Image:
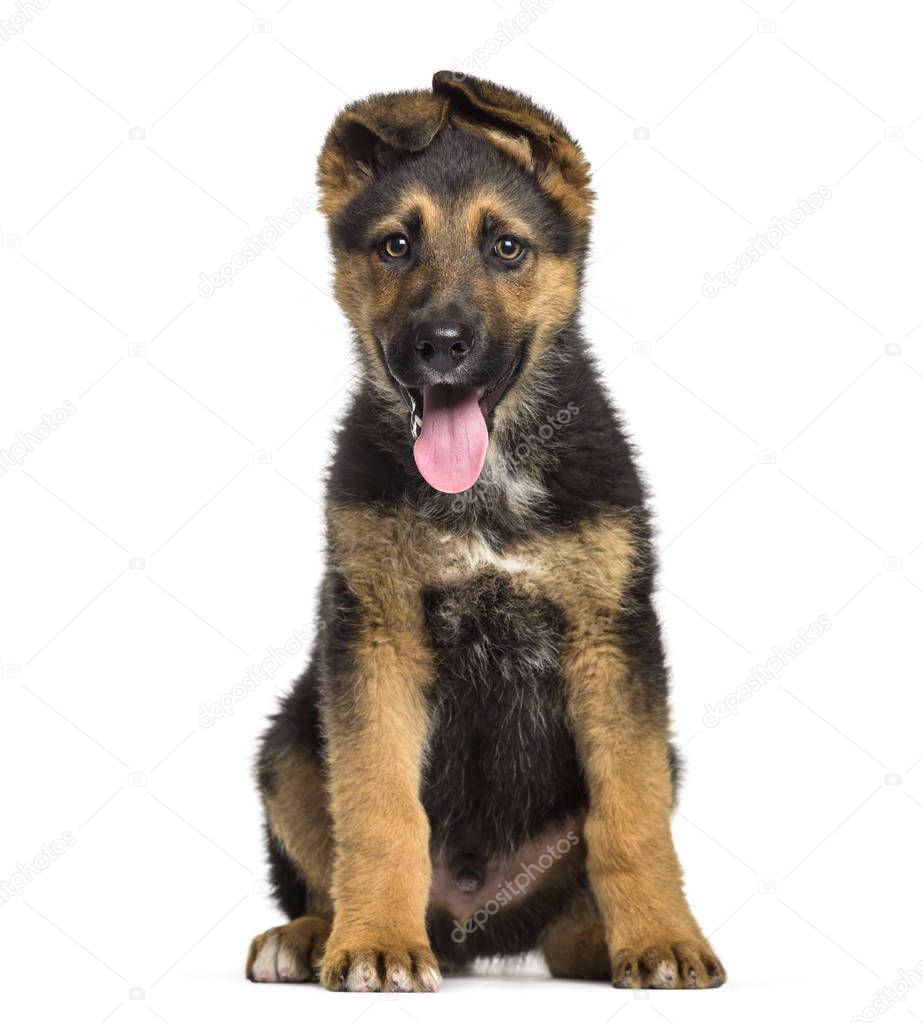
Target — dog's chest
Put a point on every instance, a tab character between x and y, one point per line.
501	762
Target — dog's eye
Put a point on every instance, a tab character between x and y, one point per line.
396	246
508	248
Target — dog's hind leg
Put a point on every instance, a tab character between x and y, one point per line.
300	845
574	943
290	953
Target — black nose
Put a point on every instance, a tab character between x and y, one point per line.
443	346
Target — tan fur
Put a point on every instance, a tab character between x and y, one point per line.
489	202
292	952
516	146
650	935
359	834
381	874
632	865
574	945
544	306
538	300
397	552
561	168
297	813
414	201
633	868
372	133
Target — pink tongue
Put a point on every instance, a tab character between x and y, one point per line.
452	445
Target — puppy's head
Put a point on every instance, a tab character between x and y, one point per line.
459	221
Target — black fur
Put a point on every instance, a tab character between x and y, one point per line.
453	164
501	764
592	466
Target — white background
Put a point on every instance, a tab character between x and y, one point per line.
778	422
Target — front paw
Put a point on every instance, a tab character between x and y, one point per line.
667	964
370	963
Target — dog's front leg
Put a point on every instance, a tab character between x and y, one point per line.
621	732
376	671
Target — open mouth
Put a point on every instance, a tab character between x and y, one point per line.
449	425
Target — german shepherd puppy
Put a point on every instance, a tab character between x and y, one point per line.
476	761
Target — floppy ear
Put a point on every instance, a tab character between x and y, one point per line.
370	135
525	131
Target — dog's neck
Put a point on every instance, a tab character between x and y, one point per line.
555	453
